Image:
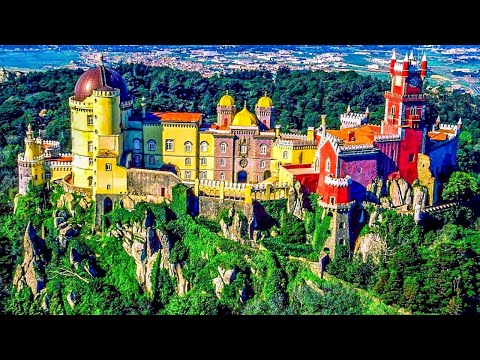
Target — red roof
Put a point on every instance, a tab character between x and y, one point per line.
179	116
362	135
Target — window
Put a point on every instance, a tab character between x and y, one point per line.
222	162
203	146
360	170
137	159
136	144
188	146
109	187
162	192
151	145
90	181
262	164
151	160
327	165
263	149
188	175
243	148
169	145
222	176
48	175
90	146
90	119
392	110
392	154
203	174
413	110
258	178
203	161
285	154
188	161
411	158
36	177
316	164
108	167
90	161
223	147
341	225
332	200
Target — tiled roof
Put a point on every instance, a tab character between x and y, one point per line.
437	135
179	116
363	135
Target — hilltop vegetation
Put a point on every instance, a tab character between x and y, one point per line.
427	270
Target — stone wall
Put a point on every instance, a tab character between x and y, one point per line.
210	207
151	182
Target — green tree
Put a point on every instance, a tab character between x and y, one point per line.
460	187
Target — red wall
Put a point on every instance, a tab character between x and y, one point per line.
326	151
341	194
411	144
309	181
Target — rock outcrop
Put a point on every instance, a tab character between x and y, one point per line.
376	190
400	192
31	272
65	230
145	243
371	245
295	201
235	227
225	278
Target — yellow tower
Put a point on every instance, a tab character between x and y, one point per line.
31	163
99	112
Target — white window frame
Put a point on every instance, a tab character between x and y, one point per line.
223	147
152	145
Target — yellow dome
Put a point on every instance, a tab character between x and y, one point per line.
244	118
265	101
226	100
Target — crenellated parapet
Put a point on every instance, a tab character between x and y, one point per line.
386	137
338	182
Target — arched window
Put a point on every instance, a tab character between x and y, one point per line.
223	147
188	161
137	159
413	110
222	162
203	161
327	165
263	149
316	164
108	167
136	144
243	148
203	175
222	176
188	146
188	175
90	181
392	110
262	164
90	146
341	225
258	178
151	160
285	154
169	145
203	146
152	145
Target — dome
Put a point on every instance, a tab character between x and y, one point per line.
100	77
244	118
265	101
226	100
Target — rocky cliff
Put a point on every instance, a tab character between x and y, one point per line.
146	244
235	226
31	272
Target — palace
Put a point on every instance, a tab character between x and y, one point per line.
118	154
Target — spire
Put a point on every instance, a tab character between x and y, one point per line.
245	104
394	55
406	57
367	112
348	109
265	93
424	57
411	55
29	128
100	59
438	120
459	123
226	92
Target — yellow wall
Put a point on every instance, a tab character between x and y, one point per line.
181	133
81	134
425	176
117	177
285	176
38	171
295	156
59	172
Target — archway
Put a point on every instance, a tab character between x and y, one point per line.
107	205
242	177
267	174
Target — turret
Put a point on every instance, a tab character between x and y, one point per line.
423	71
348	109
411	57
367	112
405	65
393	60
277	130
310	133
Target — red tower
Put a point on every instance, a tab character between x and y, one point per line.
405	111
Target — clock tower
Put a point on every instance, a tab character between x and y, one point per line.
405	106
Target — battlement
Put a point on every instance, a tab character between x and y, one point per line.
60	163
79	104
293	136
338	182
106	93
297	143
21	158
386	137
356	148
448	126
352	116
336	207
407	98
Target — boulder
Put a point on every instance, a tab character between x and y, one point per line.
398	191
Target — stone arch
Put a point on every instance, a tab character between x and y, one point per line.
341	241
341	225
267	174
107	205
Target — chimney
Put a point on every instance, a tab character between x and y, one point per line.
324	125
144	105
277	130
310	133
423	71
351	135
